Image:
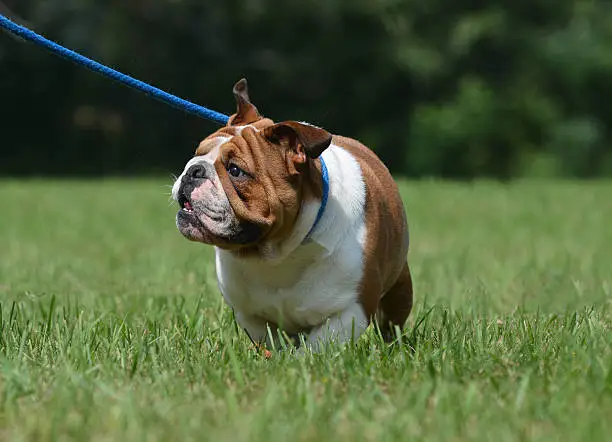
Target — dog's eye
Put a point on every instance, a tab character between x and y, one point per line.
235	171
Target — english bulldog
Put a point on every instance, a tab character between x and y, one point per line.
309	230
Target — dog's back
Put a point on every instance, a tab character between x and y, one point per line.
386	288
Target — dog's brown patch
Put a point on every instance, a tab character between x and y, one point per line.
386	287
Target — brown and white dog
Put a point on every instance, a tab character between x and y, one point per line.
309	229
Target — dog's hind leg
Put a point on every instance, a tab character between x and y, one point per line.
395	306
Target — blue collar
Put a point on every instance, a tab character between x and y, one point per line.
325	182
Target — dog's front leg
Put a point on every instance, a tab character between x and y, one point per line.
259	332
341	328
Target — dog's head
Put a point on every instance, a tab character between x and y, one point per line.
248	180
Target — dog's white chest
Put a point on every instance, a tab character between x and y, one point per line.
299	294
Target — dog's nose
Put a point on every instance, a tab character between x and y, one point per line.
198	171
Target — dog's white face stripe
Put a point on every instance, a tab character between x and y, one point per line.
211	156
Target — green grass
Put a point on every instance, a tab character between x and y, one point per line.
112	327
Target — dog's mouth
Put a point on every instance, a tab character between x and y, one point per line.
189	223
202	210
209	225
185	204
195	220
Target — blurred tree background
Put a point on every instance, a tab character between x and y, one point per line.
455	89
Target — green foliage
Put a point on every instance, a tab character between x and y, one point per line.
500	88
112	327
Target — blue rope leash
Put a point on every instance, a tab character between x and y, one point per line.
92	65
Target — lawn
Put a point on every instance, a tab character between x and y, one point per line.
112	328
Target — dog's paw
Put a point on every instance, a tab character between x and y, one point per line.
261	350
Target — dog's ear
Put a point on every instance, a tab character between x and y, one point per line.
246	112
304	139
